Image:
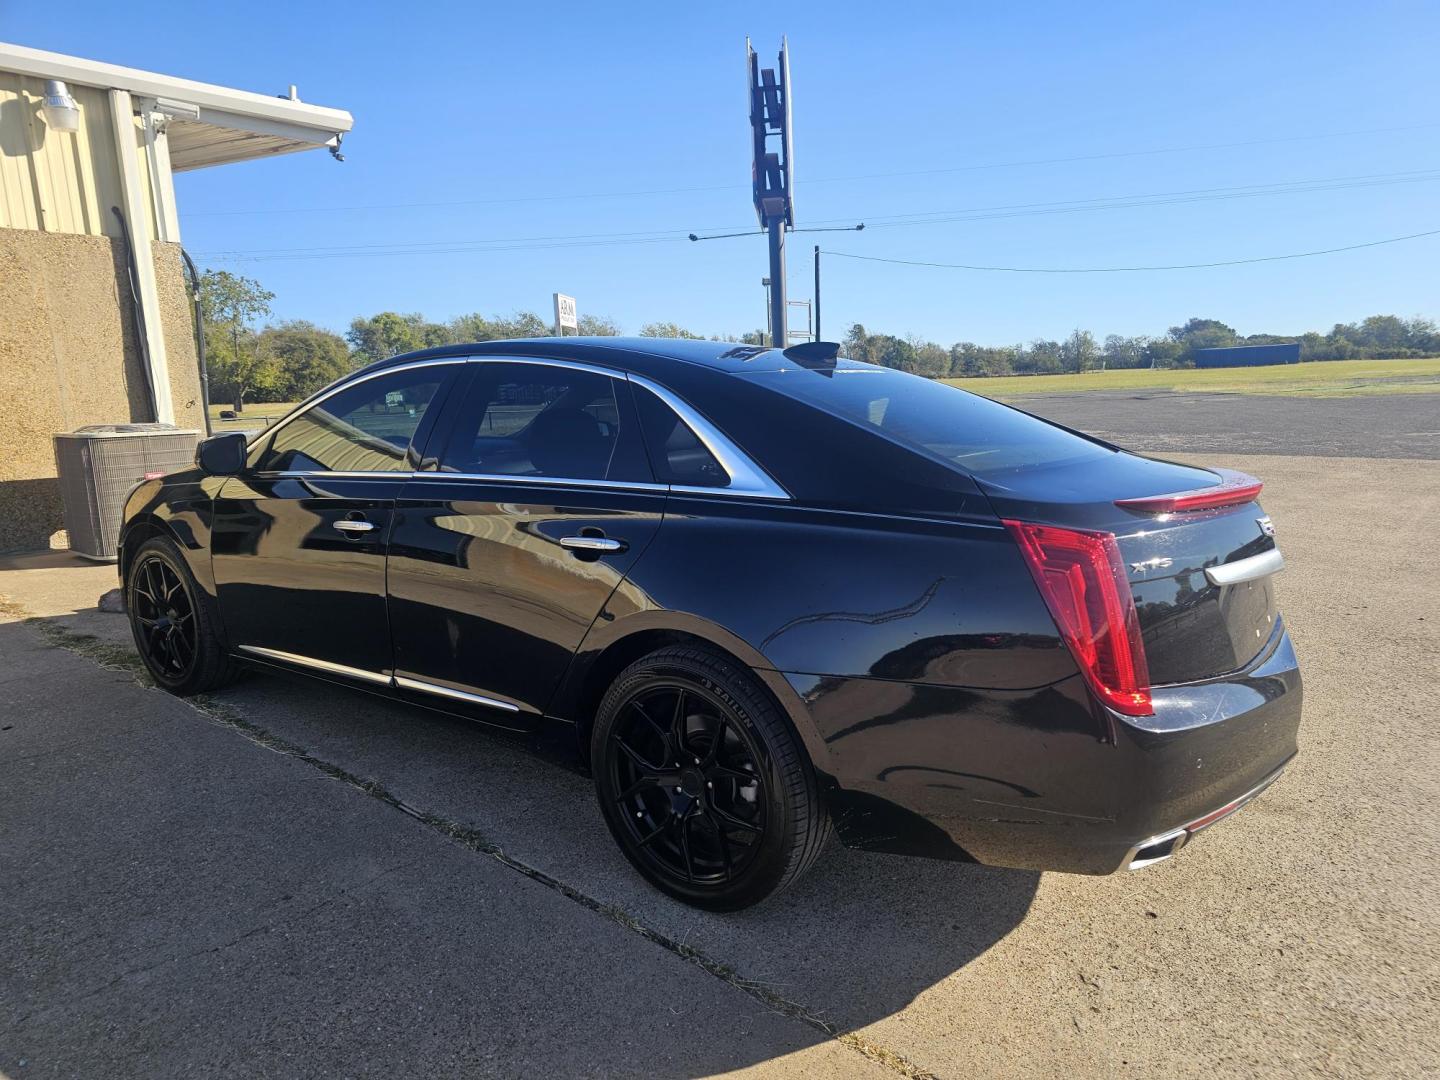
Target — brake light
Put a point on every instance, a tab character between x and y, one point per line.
1082	578
1234	489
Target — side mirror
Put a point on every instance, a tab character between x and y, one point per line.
222	455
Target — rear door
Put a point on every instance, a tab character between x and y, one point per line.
537	500
299	540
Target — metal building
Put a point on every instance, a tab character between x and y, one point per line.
1248	356
95	323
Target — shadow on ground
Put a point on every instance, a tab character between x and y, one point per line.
396	890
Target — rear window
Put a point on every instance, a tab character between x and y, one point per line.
980	436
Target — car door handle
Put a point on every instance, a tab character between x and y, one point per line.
591	543
352	525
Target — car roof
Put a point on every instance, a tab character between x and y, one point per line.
622	353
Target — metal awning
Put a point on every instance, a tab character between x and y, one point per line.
208	125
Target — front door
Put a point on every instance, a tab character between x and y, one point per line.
299	540
502	558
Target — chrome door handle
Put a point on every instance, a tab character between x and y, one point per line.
591	543
350	525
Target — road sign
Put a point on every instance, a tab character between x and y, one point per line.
565	314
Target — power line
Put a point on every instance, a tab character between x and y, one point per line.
1125	154
1160	198
580	196
933	217
1131	269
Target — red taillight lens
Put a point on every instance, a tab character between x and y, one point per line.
1234	489
1082	578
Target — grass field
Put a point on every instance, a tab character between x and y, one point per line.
1334	378
253	416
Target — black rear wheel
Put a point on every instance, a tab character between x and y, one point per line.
703	782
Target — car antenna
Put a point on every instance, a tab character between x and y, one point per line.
815	355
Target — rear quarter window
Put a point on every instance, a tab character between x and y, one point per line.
961	429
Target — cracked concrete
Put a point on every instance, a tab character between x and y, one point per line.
261	921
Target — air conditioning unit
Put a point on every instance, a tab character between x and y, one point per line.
100	464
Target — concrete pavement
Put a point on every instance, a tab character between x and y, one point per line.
1298	938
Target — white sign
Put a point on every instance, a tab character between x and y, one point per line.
565	313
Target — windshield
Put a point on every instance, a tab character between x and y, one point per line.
980	436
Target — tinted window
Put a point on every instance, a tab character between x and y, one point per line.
981	436
537	420
366	428
676	453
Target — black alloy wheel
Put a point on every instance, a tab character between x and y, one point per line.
163	613
174	621
703	782
689	783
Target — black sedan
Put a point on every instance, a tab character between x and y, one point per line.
760	595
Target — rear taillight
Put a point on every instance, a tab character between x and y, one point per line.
1234	489
1082	578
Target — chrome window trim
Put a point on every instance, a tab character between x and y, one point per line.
319	665
331	391
550	481
545	361
423	687
321	474
747	479
1251	569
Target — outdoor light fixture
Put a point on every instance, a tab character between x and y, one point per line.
178	110
61	112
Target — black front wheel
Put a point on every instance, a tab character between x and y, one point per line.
174	622
703	782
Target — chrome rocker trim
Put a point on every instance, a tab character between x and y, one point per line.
459	695
319	665
378	678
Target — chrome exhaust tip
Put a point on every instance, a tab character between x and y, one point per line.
1156	849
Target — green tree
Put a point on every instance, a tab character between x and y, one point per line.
1124	352
1202	334
1163	352
386	334
667	330
230	305
1080	353
598	326
1383	335
857	343
523	324
304	356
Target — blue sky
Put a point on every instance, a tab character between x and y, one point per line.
550	120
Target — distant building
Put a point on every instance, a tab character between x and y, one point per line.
95	319
1248	355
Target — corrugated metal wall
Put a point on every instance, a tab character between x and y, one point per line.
55	181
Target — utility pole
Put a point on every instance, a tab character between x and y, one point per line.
817	293
766	282
778	326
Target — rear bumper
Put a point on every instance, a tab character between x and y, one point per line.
1156	849
1044	779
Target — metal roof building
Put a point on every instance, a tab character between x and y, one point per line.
95	322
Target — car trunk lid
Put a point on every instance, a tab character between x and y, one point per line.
1201	574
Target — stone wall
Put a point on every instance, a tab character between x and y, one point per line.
69	357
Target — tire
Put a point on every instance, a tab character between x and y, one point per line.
703	782
174	622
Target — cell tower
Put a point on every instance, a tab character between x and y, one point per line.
772	169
